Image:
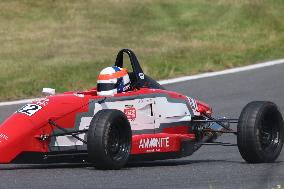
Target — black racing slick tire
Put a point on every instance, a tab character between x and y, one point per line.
109	140
260	132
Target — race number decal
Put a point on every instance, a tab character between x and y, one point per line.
30	109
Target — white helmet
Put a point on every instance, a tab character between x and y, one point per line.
112	80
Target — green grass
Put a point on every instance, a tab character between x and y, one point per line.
65	43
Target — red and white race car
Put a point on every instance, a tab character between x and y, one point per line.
146	123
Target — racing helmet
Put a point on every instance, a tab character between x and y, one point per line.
113	80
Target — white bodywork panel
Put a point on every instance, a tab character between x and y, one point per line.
169	112
143	114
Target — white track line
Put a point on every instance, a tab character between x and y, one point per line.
16	102
224	72
186	78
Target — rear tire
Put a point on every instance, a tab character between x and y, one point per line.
260	132
109	139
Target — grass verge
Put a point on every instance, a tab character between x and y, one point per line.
65	43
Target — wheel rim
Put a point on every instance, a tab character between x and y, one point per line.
118	143
269	133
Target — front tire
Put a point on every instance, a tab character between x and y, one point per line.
260	132
109	139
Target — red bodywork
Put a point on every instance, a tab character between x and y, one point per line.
21	132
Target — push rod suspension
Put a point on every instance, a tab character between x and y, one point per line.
220	123
214	131
70	133
65	131
219	120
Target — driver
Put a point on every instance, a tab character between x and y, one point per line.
113	80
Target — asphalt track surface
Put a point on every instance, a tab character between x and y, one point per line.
210	167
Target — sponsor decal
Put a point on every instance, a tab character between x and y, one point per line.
130	112
42	102
80	95
140	101
30	109
154	143
141	75
3	136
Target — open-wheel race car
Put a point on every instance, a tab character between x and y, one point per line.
146	122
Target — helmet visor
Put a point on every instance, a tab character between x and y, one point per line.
105	86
